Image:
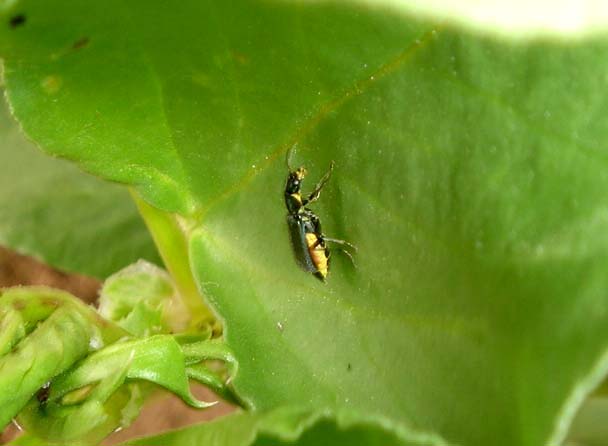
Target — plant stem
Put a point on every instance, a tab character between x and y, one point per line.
171	242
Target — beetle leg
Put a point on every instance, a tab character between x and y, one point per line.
314	195
319	241
345	251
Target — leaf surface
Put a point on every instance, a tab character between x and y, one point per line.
68	219
470	174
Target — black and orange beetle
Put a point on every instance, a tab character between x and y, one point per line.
307	239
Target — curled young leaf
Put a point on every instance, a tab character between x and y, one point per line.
142	299
69	375
47	331
103	392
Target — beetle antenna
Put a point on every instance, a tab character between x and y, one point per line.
289	155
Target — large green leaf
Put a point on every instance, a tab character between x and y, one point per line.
470	174
68	219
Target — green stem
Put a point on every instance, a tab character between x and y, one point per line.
172	245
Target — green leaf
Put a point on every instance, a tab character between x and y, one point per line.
60	330
142	300
158	359
70	220
288	426
99	394
470	174
69	376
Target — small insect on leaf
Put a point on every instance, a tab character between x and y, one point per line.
308	242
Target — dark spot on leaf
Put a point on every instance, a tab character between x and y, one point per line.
19	305
80	43
349	367
17	20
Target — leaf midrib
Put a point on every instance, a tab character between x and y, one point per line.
357	89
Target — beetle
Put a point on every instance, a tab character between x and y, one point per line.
307	239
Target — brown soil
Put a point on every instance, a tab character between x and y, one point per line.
164	412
